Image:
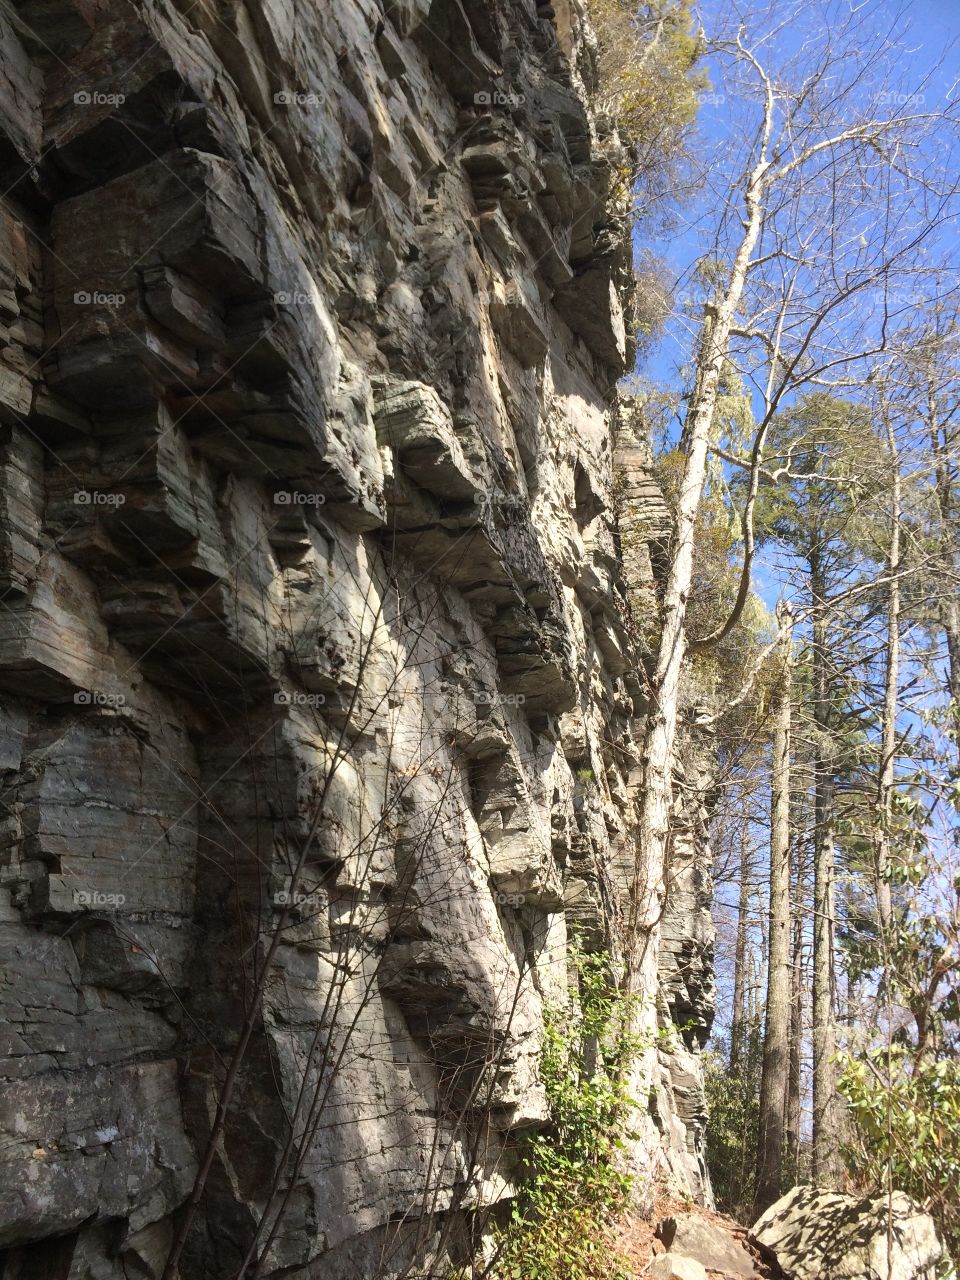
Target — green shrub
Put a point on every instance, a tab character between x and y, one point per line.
907	1117
733	1105
575	1182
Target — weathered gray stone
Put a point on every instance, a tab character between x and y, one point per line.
21	508
816	1233
697	1237
676	1266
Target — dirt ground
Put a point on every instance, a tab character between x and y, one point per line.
636	1239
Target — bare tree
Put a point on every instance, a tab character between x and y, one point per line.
826	1158
776	1040
930	372
739	1024
787	273
888	716
833	199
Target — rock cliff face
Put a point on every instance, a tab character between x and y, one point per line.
320	698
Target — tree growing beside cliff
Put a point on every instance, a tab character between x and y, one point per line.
776	1039
927	377
899	1077
823	516
648	87
858	536
829	207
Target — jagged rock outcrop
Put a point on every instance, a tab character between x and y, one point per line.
320	699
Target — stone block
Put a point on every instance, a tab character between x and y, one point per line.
814	1233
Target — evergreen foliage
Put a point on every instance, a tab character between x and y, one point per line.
733	1099
575	1179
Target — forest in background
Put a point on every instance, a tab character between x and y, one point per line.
795	191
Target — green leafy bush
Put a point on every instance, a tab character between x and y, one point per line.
733	1103
907	1116
575	1182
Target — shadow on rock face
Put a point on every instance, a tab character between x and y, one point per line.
816	1233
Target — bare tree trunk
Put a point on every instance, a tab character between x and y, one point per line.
826	1161
776	1040
739	1020
944	470
793	1112
653	829
648	891
888	732
951	627
950	615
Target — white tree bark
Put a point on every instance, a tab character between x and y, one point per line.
776	1039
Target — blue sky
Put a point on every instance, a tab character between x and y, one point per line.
930	35
928	31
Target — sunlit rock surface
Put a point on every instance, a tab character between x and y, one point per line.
815	1233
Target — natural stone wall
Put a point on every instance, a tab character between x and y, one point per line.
320	696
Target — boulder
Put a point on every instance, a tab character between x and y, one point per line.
817	1233
695	1236
674	1266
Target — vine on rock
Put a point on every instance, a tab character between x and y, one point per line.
576	1181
